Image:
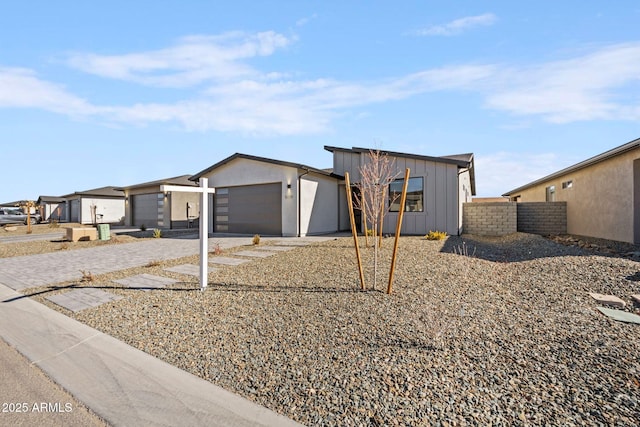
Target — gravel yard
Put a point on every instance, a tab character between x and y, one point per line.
509	336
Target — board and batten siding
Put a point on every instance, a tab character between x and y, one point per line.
442	209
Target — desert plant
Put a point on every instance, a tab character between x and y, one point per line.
154	263
54	223
217	250
143	227
436	235
464	250
256	239
157	233
87	276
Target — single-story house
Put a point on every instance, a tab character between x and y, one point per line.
146	205
602	194
52	208
273	197
100	205
438	186
256	195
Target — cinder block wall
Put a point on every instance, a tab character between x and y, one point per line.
542	217
490	219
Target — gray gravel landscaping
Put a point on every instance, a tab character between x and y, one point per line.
507	337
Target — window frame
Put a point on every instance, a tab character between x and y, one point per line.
400	182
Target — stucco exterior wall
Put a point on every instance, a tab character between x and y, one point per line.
318	205
112	210
600	201
250	172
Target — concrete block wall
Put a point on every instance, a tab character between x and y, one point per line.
542	217
490	219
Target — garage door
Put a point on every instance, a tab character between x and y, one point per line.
75	211
148	209
251	209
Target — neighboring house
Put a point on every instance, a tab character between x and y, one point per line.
146	205
438	186
602	194
255	195
100	205
272	197
52	208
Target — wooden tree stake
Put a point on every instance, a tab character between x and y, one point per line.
403	200
353	228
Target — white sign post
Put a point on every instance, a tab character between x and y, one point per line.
204	191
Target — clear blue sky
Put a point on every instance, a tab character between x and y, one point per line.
123	92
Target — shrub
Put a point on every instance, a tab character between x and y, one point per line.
87	276
154	263
143	227
157	233
436	235
256	239
217	250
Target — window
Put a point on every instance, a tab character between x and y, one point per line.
567	184
415	195
551	193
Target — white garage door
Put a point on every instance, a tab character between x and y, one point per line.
251	209
147	210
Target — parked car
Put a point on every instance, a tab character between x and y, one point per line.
17	216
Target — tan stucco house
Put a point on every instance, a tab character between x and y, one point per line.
98	205
147	205
602	194
271	197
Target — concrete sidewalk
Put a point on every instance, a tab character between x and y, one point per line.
119	383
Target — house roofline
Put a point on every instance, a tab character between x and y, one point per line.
97	192
235	156
176	180
464	161
581	165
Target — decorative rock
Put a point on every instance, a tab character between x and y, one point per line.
636	298
608	299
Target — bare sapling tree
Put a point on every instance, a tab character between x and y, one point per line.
376	174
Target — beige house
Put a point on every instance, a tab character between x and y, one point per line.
602	194
146	205
271	197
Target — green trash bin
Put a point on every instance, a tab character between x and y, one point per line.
104	233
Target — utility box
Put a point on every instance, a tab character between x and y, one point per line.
104	232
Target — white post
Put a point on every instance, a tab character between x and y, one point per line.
204	233
204	191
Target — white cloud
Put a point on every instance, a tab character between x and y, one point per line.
497	173
22	88
589	87
459	26
231	96
191	61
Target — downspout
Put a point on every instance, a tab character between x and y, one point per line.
299	193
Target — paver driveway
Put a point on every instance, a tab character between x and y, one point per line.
32	271
43	269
